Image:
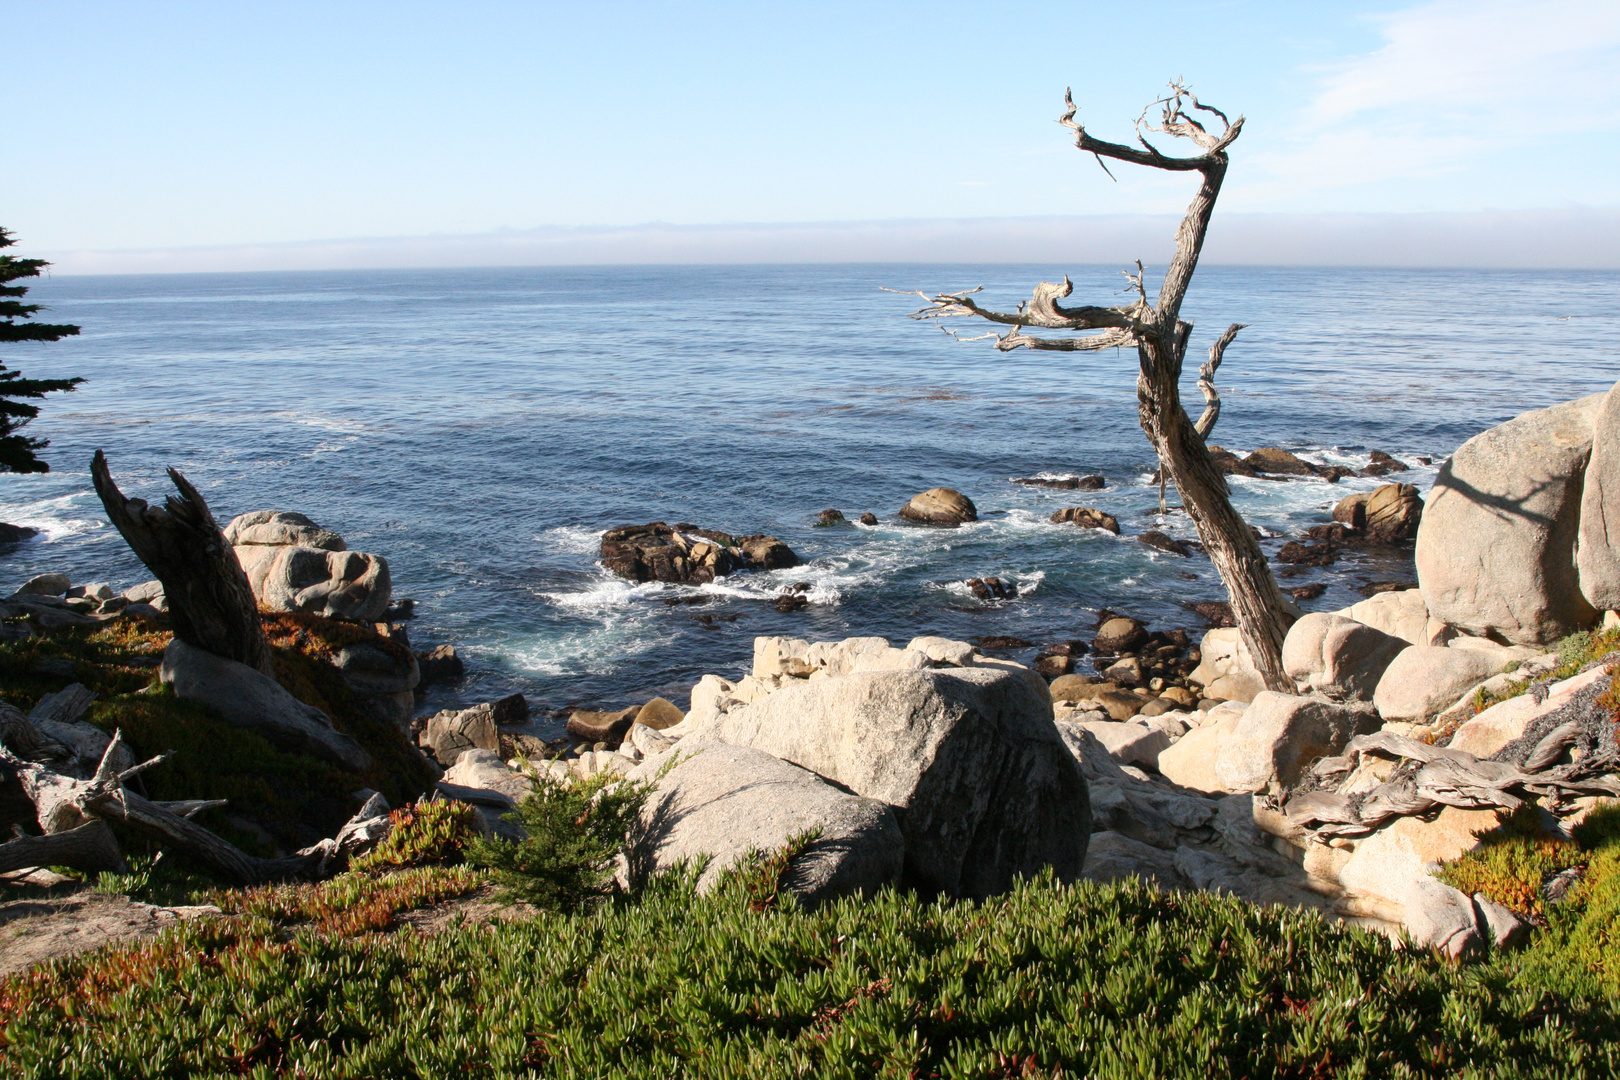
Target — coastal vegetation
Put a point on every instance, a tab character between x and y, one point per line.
19	453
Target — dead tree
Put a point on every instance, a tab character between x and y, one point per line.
1159	335
210	601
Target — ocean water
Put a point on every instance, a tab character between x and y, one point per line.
481	428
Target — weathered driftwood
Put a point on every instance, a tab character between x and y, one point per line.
91	847
210	602
1430	777
1159	335
82	809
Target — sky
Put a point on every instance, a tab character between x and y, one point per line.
140	130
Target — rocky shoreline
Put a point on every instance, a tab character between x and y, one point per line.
950	766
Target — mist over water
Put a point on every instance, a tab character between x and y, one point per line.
480	428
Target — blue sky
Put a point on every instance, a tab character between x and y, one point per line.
152	125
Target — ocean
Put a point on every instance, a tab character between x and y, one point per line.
481	428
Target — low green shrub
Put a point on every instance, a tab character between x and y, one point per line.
575	831
424	832
349	904
1574	652
1513	861
1104	981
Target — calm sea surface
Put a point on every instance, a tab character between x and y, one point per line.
481	428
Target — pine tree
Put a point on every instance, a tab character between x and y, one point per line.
18	453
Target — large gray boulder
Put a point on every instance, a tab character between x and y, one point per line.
969	758
247	698
1496	549
293	564
452	732
1597	551
1279	736
1425	679
720	802
337	584
1338	657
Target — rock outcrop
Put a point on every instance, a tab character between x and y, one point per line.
1086	518
982	785
686	554
293	564
940	506
1496	549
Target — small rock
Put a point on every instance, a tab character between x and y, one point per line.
1227	462
1155	539
1334	473
440	664
11	534
940	506
1078	688
1373	588
1003	641
831	517
1073	647
1335	531
991	588
1087	518
791	601
1127	672
659	713
1216	613
869	518
1320	554
1507	930
1270	459
1118	704
1067	483
1117	635
1351	510
1053	667
1308	592
1394	512
511	710
606	727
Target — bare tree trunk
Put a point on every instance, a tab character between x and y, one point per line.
1160	336
210	601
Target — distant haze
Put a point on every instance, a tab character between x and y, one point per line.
1527	239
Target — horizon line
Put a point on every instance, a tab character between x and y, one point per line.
1576	238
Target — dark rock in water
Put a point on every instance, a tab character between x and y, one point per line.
1373	588
1334	473
511	710
1118	635
1217	613
1425	461
1068	483
1271	459
831	517
1073	647
1155	539
869	518
1394	512
991	588
11	534
1321	554
1087	518
1091	483
1308	592
790	601
402	609
1334	531
940	506
689	555
440	664
606	727
1226	461
1052	667
1382	464
1003	641
696	598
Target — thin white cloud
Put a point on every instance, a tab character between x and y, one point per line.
1453	84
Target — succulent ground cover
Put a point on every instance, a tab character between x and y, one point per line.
1049	980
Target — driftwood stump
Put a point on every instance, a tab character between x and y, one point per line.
210	601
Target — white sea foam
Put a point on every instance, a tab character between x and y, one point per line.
58	517
572	539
